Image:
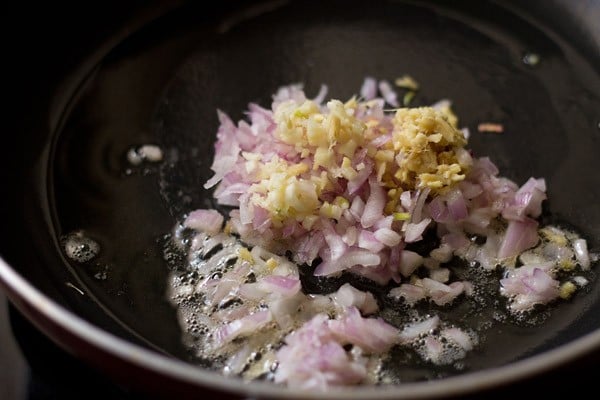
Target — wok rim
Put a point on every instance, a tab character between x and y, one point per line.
22	294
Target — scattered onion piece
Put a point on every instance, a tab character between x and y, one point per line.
490	127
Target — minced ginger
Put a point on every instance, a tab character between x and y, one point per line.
427	145
424	152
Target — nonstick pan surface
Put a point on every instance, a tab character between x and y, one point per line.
161	80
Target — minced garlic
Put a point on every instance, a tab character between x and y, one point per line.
271	264
245	255
566	290
305	127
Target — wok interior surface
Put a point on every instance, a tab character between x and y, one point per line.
164	84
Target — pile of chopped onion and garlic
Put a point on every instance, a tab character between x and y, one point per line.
349	188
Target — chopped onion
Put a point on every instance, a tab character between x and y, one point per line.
418	329
457	206
581	253
410	293
374	206
443	253
528	286
312	358
368	241
285	310
355	184
242	326
388	93
441	275
320	97
438	210
350	258
459	337
336	244
527	200
519	236
368	91
373	335
209	221
440	293
580	281
237	362
416	210
409	262
284	285
289	93
348	296
434	349
414	232
229	195
388	237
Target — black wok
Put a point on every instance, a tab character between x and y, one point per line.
87	89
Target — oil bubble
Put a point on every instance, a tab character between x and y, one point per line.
79	247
